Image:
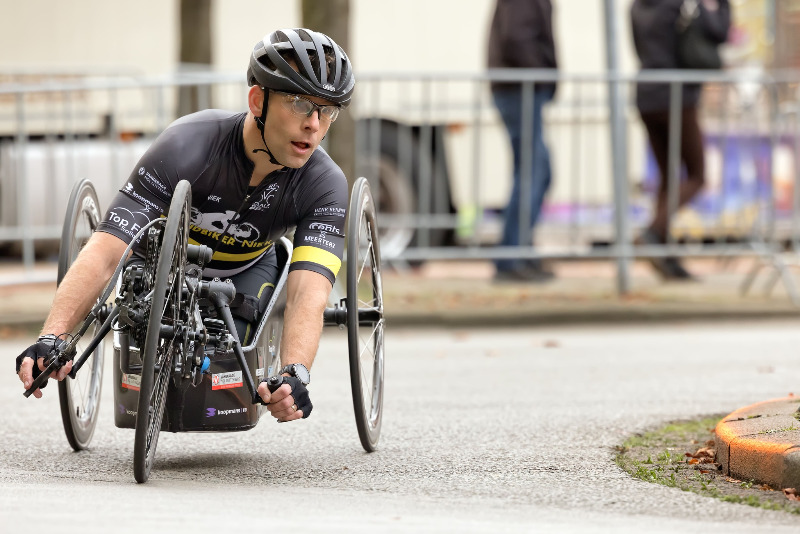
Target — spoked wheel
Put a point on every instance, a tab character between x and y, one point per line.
365	323
163	342
80	397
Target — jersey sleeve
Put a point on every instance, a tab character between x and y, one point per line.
319	236
147	193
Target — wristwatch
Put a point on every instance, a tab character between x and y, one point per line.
298	370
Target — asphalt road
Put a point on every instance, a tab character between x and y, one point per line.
484	431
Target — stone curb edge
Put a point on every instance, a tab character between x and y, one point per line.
761	442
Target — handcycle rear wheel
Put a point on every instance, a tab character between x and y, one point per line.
161	349
80	396
365	322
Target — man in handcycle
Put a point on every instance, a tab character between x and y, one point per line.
254	177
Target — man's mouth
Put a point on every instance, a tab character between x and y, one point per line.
301	145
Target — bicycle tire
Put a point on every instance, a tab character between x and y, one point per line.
365	322
159	356
79	397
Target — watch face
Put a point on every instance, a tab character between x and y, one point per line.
299	371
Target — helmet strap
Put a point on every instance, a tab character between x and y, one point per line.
260	124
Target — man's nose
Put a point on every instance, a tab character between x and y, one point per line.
312	121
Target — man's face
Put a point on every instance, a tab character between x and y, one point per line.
292	138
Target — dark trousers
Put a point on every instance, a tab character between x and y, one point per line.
509	103
692	158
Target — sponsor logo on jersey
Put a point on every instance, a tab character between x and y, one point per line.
129	222
147	203
215	198
213	224
229	380
319	240
152	180
267	195
337	212
322	227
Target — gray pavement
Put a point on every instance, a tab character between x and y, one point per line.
484	430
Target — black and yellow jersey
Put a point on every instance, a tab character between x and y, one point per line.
240	223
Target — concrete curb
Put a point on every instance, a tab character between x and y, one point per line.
761	442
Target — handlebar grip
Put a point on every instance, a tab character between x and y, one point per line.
41	379
274	383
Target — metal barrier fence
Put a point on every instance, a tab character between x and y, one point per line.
439	159
602	195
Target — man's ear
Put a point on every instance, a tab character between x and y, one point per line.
255	100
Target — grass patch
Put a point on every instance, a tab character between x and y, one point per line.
660	457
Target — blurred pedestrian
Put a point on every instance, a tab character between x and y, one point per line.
658	28
521	37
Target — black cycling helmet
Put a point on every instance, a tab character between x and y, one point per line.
323	69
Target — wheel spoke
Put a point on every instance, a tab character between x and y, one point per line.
367	257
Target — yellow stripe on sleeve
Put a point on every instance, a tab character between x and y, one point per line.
318	256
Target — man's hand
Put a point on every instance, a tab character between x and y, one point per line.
35	354
289	402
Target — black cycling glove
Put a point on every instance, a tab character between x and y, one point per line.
40	349
299	392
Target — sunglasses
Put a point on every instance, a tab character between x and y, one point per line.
303	106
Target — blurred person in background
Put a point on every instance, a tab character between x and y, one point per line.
521	37
656	25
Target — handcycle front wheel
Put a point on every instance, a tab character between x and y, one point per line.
160	346
80	396
365	322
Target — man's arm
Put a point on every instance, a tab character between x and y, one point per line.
307	296
77	293
83	283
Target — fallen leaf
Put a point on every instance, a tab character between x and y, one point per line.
704	471
766	487
706	453
791	494
694	461
732	480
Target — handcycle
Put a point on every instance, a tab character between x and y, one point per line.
176	352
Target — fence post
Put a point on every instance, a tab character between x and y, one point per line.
618	156
21	138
